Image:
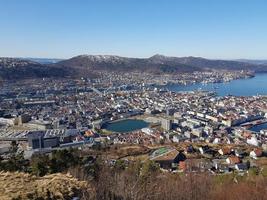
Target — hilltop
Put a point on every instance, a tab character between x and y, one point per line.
157	64
15	68
88	65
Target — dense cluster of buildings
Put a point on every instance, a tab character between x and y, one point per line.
58	113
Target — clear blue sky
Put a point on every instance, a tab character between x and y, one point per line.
64	28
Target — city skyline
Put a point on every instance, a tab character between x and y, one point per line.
210	29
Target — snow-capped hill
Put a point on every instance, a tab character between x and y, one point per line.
102	58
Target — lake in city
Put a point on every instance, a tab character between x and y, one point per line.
126	125
241	87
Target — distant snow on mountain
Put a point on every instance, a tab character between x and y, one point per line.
90	65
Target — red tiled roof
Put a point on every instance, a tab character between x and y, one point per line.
234	160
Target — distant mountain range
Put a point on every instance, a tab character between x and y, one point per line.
86	65
260	62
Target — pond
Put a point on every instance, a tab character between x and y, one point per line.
127	125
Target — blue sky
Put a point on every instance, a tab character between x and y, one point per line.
227	29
